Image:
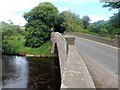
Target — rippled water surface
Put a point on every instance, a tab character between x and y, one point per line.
22	72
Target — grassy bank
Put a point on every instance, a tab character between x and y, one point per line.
43	50
18	45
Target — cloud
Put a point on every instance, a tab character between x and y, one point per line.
97	18
16	18
74	2
20	5
9	8
64	9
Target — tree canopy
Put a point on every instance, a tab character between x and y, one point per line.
8	31
114	20
40	20
108	28
86	20
112	5
71	21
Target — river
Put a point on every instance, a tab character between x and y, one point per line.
22	72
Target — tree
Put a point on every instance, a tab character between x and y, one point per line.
40	20
112	5
98	25
59	27
103	32
85	20
100	28
115	23
91	27
71	21
114	20
8	31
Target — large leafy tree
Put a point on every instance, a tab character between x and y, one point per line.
59	27
70	21
40	21
96	26
114	20
115	23
86	20
9	29
112	5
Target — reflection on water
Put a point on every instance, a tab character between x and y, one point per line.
21	72
15	72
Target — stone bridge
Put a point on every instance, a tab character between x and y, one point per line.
74	73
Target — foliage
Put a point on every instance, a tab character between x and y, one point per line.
8	31
98	25
108	28
112	5
114	20
40	21
42	50
71	21
101	28
8	47
115	23
44	18
15	45
85	21
37	36
59	27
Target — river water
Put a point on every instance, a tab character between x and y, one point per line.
22	72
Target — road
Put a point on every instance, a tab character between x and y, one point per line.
100	54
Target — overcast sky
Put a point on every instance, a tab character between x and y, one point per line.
14	9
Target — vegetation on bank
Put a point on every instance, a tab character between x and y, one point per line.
42	51
45	18
16	45
35	38
13	42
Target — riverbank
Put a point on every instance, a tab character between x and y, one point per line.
32	55
19	48
42	51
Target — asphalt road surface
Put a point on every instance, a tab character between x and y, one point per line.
105	55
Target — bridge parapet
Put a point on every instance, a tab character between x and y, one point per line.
61	43
115	42
74	73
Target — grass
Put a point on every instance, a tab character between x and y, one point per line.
18	42
43	50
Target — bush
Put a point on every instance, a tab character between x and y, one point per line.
8	48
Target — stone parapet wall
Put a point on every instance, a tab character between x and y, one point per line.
115	42
74	73
58	40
